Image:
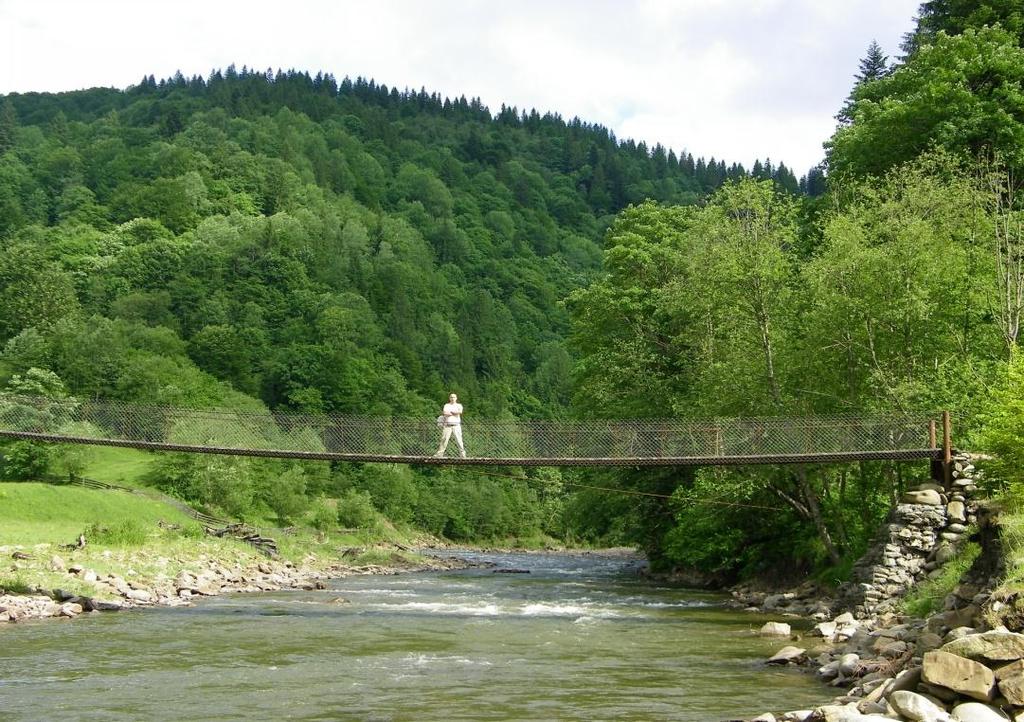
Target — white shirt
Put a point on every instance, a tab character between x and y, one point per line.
452	414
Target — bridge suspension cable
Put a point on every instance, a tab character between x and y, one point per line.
333	437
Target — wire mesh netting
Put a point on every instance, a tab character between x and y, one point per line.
263	433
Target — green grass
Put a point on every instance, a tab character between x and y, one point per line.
13	583
32	513
118	466
928	596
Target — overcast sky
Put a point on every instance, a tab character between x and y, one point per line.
733	79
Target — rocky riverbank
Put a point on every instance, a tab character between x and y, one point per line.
77	582
964	663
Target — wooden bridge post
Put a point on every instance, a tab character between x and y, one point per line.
947	451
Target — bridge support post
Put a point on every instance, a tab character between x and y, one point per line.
947	451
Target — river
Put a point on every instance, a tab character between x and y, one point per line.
580	637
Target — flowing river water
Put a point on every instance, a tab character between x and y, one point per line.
580	637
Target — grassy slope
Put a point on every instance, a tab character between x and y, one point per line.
32	513
118	466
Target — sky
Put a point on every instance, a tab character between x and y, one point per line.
736	80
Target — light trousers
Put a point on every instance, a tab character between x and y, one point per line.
446	435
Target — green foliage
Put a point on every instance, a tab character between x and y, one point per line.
121	533
14	584
24	460
928	596
1003	425
323	515
356	511
33	513
963	93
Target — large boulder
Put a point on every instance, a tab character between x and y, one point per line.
964	676
915	707
993	646
1011	682
976	712
928	497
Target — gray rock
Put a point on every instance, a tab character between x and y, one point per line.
956	512
927	497
57	564
994	646
824	629
1011	682
976	712
797	715
788	654
766	717
775	629
961	675
915	707
848	664
140	595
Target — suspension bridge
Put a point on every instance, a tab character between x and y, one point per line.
331	437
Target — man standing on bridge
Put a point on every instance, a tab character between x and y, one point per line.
451	422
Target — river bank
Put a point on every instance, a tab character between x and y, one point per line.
47	581
963	662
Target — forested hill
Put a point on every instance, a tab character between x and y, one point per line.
322	246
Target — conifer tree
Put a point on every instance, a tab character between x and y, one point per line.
873	66
8	124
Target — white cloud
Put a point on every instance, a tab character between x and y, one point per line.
736	79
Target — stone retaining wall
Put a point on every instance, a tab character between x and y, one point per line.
922	532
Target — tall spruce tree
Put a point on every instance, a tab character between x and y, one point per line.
8	124
873	66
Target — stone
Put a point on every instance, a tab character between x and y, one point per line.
846	713
956	512
89	576
57	564
961	675
893	650
928	640
70	610
797	715
780	629
917	708
927	497
787	654
944	553
848	664
829	671
824	629
845	618
1011	682
976	712
139	595
766	717
994	646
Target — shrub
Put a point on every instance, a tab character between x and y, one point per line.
356	511
324	516
14	584
124	533
25	460
928	597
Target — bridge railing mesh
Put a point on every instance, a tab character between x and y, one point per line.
98	421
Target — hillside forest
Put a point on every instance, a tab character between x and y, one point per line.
287	241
